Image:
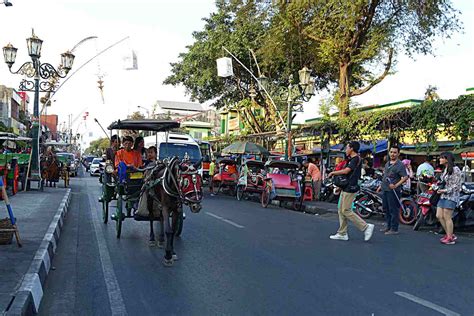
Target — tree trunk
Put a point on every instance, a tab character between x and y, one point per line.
344	88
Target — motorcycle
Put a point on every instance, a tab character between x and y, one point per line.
329	192
463	214
368	202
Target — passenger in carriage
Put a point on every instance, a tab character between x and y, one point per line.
131	158
139	145
151	155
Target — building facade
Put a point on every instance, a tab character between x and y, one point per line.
10	106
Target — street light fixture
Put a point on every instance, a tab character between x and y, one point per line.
147	110
37	70
294	95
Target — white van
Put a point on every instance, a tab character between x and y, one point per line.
177	145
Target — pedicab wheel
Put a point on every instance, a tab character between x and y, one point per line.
408	216
298	204
360	210
265	199
240	192
179	225
105	211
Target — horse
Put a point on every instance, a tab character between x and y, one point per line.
171	184
50	169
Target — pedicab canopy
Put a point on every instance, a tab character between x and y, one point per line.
145	125
282	164
242	148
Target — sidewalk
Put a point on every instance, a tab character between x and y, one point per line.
35	213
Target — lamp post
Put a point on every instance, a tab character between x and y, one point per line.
36	70
144	108
294	95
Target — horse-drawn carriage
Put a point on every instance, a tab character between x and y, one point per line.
161	188
283	182
226	177
55	166
13	165
251	180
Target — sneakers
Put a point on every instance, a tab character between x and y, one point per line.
368	232
448	241
454	237
391	232
338	236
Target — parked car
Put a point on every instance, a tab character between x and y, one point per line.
87	162
70	160
95	166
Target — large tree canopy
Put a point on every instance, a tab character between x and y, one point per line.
360	39
351	45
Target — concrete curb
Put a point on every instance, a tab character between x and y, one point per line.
27	298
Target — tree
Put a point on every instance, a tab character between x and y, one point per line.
239	26
97	147
355	40
137	115
431	93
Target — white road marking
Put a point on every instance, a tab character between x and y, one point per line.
117	305
225	220
428	304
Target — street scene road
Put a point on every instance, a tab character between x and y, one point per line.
238	258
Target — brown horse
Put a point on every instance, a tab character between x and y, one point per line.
50	169
172	184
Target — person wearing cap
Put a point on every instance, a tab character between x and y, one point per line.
132	158
352	170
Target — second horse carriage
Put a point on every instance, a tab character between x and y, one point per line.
162	188
283	182
251	180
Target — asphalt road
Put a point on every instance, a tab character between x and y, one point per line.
236	258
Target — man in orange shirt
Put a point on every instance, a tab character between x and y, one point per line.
315	174
132	158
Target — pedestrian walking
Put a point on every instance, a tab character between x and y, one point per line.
451	177
394	175
350	175
313	171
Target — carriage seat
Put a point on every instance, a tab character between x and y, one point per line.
282	181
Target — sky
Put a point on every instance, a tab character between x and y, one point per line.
158	30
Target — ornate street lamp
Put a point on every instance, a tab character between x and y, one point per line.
37	70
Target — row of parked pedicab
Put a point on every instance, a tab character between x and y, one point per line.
275	180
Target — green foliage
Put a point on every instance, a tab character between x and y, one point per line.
426	122
97	147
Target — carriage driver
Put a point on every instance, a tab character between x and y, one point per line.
132	158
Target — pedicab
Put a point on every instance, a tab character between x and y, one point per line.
172	178
283	182
108	182
251	180
227	176
13	166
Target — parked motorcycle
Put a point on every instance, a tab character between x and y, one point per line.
463	214
329	192
368	202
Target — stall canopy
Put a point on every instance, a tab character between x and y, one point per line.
379	147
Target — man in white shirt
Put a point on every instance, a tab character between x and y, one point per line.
424	170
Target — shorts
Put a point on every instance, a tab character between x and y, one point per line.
444	203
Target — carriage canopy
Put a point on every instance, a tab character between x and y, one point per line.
145	125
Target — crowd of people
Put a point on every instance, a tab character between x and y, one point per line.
131	152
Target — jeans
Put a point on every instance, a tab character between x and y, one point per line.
391	206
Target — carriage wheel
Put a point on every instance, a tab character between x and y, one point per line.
179	225
265	199
105	211
119	216
240	192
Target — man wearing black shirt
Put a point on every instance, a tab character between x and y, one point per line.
352	171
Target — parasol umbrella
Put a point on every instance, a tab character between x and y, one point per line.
242	148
